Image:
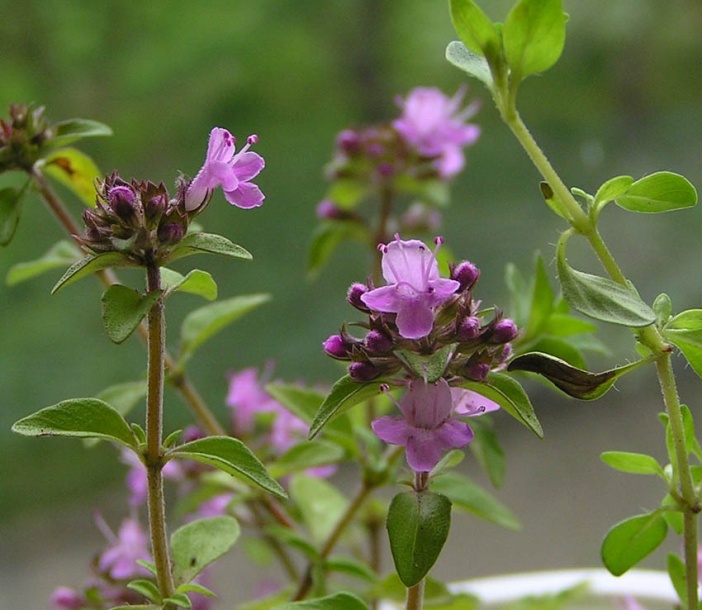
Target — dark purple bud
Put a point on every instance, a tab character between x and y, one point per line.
377	342
354	294
363	371
477	371
122	201
468	328
348	141
466	274
504	331
64	597
170	233
386	170
336	347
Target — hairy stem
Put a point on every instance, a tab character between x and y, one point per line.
415	596
153	457
107	277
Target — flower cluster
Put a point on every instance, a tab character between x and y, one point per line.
22	137
140	220
417	321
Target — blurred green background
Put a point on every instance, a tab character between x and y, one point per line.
625	98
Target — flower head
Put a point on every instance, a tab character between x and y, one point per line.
119	560
427	427
413	289
435	126
231	170
246	398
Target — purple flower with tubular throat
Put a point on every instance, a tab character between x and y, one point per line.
427	427
435	126
229	169
119	561
414	287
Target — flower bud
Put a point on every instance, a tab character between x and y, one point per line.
466	273
122	201
170	233
328	210
468	328
354	294
363	371
504	331
377	342
67	598
348	141
476	371
336	347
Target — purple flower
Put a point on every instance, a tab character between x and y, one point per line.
629	603
414	287
432	123
427	427
232	171
246	398
469	403
119	561
65	598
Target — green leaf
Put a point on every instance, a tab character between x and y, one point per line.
138	607
471	63
123	309
610	190
534	35
542	301
474	28
10	211
677	573
418	524
231	456
685	332
599	297
659	192
337	601
575	382
507	392
345	393
196	282
194	587
634	463
431	367
79	417
146	588
178	599
90	264
207	243
205	322
307	454
320	503
326	238
487	450
471	497
76	129
76	171
351	567
198	543
60	254
628	542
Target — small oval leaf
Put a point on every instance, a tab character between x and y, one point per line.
123	309
90	264
613	188
76	171
471	63
231	456
631	540
599	297
633	463
659	192
337	601
207	243
418	524
198	543
78	417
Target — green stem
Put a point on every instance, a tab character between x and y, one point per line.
648	336
107	277
153	458
688	497
415	596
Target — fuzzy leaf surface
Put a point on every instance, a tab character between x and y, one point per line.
89	265
231	456
78	417
601	298
685	332
75	129
207	243
196	282
474	28
198	543
471	63
633	463
123	309
418	524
